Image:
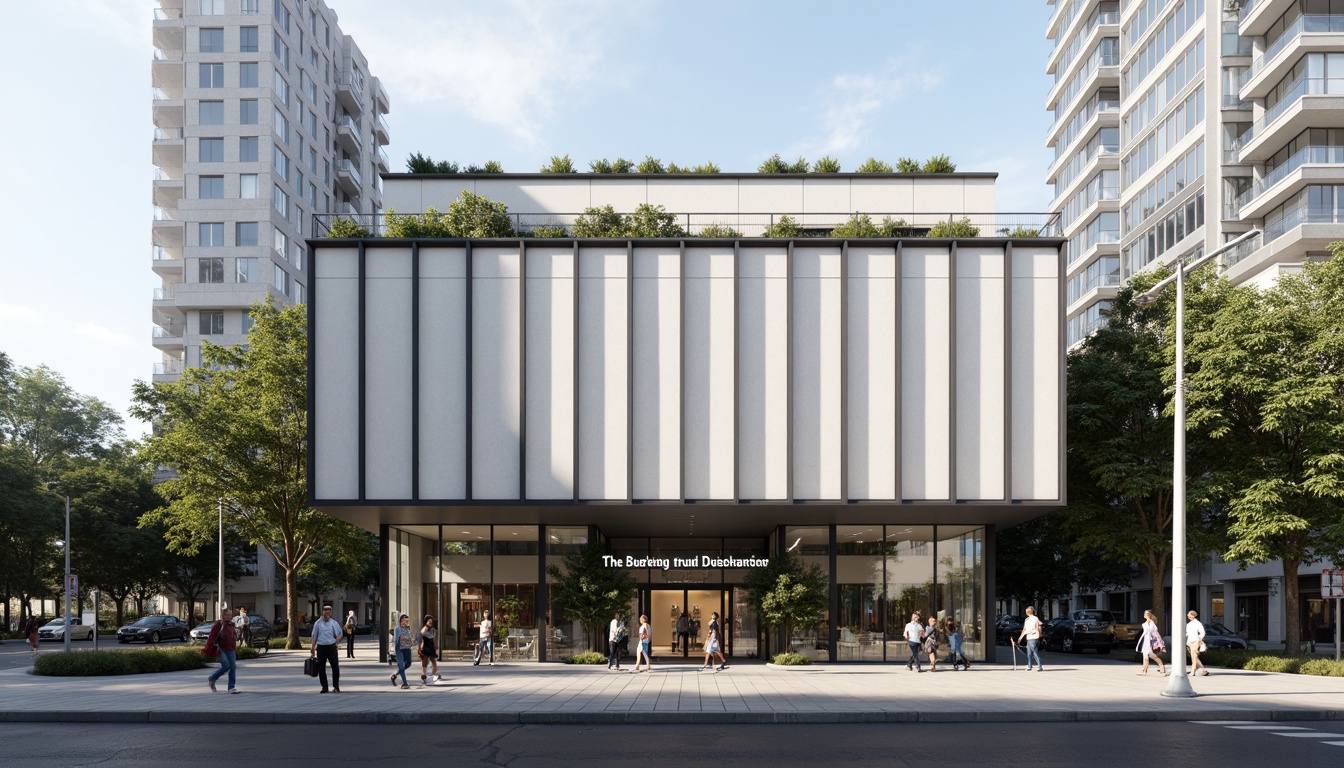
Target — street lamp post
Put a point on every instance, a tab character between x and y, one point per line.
219	603
68	596
1179	685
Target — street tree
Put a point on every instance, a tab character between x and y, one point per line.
236	429
584	588
1039	561
1266	385
787	593
51	422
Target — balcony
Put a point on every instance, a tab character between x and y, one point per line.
350	92
380	131
166	72
1316	33
167	196
380	157
167	337
167	262
170	367
348	133
1303	168
169	29
347	175
167	233
168	151
1257	16
1308	103
380	95
168	112
1099	69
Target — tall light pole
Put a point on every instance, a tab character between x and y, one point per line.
68	596
1179	685
219	602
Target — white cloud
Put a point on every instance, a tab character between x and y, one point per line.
511	64
849	102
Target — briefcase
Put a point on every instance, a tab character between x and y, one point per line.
310	666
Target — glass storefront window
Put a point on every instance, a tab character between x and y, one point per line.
563	639
515	591
908	551
813	543
464	570
960	578
858	574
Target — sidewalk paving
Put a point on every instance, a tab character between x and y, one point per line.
274	690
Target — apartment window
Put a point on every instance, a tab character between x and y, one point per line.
312	160
312	194
248	112
312	124
312	22
281	88
298	292
245	233
211	113
248	322
299	253
212	323
247	74
247	186
210	187
280	50
1234	44
281	162
247	149
282	16
210	270
281	280
281	125
212	75
248	40
280	201
281	243
210	234
250	7
211	150
245	270
212	7
212	40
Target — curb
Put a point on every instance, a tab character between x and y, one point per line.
660	718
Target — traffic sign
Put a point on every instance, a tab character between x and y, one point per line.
1332	584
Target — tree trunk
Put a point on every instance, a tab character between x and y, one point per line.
292	608
1157	573
1292	617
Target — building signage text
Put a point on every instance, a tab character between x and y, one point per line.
666	563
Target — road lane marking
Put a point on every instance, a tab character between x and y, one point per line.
1268	728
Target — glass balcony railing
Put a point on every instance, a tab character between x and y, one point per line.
167	14
1304	86
347	167
161	332
163	292
163	214
1246	10
1304	156
167	134
347	122
162	55
168	368
379	125
1314	23
163	254
382	159
355	84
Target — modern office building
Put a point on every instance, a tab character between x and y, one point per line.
877	405
1178	126
265	113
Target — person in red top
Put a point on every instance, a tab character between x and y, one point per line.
223	639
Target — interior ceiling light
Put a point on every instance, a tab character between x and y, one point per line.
795	544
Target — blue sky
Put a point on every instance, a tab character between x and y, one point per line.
684	81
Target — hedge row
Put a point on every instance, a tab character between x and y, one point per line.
588	657
128	662
1271	661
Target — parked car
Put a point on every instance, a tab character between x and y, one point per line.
1006	629
1126	633
153	629
262	632
1089	628
1218	636
55	630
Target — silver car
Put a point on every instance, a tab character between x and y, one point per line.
55	630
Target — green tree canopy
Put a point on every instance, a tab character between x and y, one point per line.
473	215
491	166
959	228
785	226
589	591
873	165
559	164
50	422
939	164
431	223
826	164
418	163
619	165
718	230
787	593
1266	383
652	221
908	165
343	227
599	222
774	164
651	164
236	428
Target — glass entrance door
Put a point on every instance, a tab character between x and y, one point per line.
680	620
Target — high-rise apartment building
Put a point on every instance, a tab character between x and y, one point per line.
264	114
1178	126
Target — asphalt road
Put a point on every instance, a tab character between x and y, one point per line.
676	746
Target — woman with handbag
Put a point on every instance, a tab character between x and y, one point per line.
403	640
429	652
714	644
931	643
1150	643
1194	639
223	640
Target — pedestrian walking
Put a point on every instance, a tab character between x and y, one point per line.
645	652
1194	639
914	636
615	631
931	643
243	623
1031	631
714	644
683	633
30	631
326	634
224	639
403	640
487	641
1150	643
429	652
954	653
349	630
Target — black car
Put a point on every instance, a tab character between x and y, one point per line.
259	632
1082	629
153	629
1006	629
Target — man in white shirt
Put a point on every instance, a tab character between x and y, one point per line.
487	643
1194	637
326	634
914	635
614	633
1031	630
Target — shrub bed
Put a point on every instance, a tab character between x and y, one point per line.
136	662
1322	667
1273	664
589	657
278	643
790	660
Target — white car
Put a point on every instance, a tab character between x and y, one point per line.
55	630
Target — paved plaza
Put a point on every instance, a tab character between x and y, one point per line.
274	690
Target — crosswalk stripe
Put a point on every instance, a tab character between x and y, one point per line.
1310	735
1268	728
1223	722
